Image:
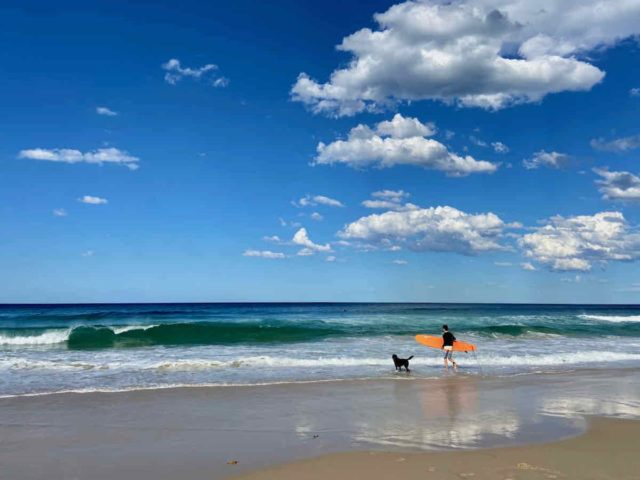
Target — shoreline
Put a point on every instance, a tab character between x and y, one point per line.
193	433
607	450
459	376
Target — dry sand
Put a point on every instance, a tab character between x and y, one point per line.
609	450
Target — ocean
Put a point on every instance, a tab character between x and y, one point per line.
113	347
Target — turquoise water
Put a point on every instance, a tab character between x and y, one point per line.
47	348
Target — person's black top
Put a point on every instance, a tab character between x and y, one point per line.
448	339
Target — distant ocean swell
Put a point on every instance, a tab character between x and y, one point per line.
232	333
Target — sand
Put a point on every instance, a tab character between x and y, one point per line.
194	433
609	450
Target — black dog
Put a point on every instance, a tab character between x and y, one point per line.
401	362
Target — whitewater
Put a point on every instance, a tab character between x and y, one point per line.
54	348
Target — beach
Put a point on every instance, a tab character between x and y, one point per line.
208	391
381	428
607	451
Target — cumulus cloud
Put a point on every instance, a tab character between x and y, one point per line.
528	266
392	195
389	200
302	239
316	216
618	145
576	243
474	53
330	258
382	204
60	212
499	147
68	155
387	147
443	229
547	159
106	111
634	92
175	73
272	238
91	200
263	254
312	201
623	186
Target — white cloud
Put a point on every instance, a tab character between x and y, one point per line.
330	258
67	155
382	204
499	147
175	73
634	92
263	254
475	53
312	201
476	141
575	279
528	266
93	200
283	223
622	186
272	238
390	200
316	216
378	147
443	229
106	111
221	82
88	253
404	127
575	243
302	238
393	195
503	264
395	248
547	159
617	145
400	262
60	212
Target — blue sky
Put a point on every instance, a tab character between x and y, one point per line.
127	176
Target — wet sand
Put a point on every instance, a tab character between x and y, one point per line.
192	433
609	450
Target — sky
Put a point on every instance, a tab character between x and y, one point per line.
465	151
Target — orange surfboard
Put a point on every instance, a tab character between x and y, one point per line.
436	342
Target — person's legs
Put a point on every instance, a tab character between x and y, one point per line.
447	358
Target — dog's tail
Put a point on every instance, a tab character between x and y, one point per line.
410	357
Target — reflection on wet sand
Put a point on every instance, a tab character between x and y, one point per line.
577	407
449	416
